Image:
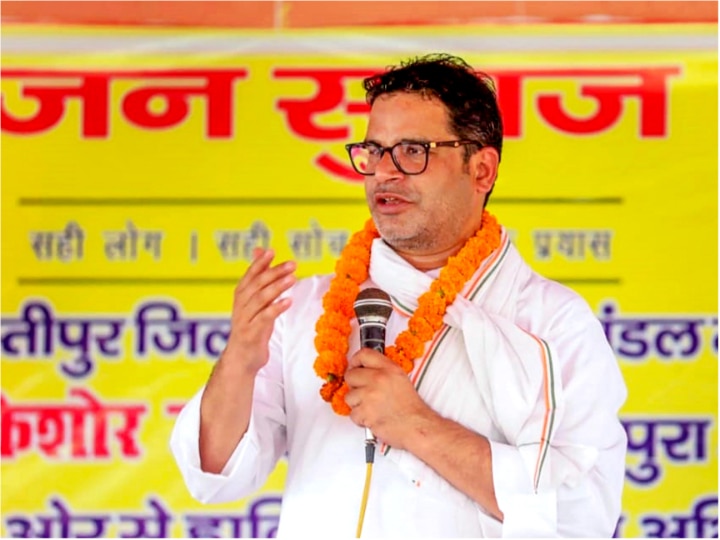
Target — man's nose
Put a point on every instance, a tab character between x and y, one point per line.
386	168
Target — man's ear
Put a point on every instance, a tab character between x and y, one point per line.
484	167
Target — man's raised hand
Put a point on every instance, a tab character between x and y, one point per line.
256	306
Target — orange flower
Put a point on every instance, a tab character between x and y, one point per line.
328	389
399	356
431	307
370	227
410	344
421	328
444	290
330	363
338	400
347	290
334	320
407	364
453	276
329	338
351	269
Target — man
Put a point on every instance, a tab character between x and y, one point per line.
496	408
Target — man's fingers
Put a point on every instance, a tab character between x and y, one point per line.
276	279
362	377
266	302
264	319
368	358
259	329
275	273
353	398
260	265
261	261
254	300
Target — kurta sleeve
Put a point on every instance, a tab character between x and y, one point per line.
258	451
556	399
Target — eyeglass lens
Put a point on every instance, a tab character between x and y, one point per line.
410	158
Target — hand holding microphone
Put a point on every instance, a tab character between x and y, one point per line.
372	309
381	395
382	398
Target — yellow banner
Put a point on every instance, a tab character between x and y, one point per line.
141	168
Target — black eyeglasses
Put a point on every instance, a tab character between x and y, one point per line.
409	157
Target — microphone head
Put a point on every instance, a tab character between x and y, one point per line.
373	304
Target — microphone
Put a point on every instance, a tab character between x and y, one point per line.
372	309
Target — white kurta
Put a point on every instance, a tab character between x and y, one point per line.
521	360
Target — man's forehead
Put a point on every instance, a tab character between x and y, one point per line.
407	115
411	97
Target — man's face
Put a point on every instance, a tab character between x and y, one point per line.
428	213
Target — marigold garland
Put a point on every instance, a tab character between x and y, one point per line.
351	270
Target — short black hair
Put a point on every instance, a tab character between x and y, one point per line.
469	95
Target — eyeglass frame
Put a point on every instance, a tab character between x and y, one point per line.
426	145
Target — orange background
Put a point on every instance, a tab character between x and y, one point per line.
297	14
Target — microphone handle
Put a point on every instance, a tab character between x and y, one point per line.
372	336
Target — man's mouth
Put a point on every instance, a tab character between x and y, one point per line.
389	198
391	203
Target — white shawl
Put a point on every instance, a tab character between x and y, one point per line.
505	381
